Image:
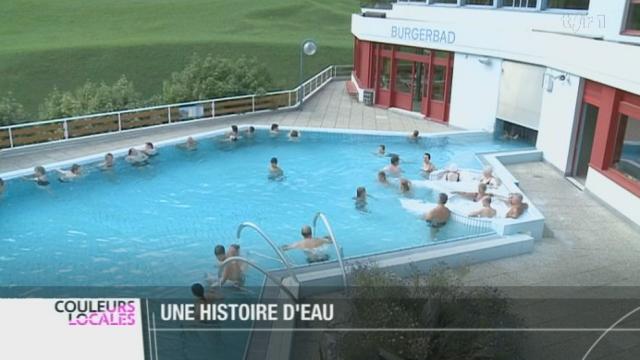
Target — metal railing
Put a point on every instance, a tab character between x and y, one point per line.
473	223
275	247
33	133
325	221
227	261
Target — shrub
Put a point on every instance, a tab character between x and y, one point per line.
11	111
90	98
211	77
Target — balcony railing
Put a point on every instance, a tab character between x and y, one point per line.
28	134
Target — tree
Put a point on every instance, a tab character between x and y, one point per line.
11	111
211	77
90	98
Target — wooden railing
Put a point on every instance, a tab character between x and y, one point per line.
28	134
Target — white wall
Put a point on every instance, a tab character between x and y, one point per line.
558	116
616	196
474	92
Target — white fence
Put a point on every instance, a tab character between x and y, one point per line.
120	121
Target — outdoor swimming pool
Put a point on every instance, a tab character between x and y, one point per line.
157	225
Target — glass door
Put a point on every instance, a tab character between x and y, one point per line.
584	142
418	85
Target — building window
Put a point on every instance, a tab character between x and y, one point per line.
403	76
568	4
479	2
530	4
385	72
626	155
437	88
633	18
453	2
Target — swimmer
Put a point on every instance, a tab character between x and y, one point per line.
1	186
361	198
415	136
203	298
190	145
382	178
71	174
136	157
516	206
439	215
149	149
452	173
220	253
39	176
488	178
233	271
108	162
233	135
250	132
486	211
275	172
405	187
394	166
294	135
310	245
381	150
275	129
475	196
427	166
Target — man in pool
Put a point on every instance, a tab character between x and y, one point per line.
415	136
1	186
381	150
274	130
149	149
361	198
394	166
405	187
275	172
39	176
486	211
439	215
475	196
250	132
204	297
382	178
108	162
310	245
136	158
233	135
294	135
516	206
233	272
190	145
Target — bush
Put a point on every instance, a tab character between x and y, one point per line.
11	111
212	77
437	300
90	98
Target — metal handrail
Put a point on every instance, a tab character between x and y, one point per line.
324	219
255	266
270	242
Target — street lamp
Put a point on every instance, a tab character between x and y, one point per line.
308	47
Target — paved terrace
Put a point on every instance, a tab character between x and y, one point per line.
585	242
331	107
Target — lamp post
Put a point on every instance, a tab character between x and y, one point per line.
308	47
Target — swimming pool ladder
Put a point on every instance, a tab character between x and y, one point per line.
227	261
275	248
325	221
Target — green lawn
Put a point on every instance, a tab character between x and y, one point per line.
63	43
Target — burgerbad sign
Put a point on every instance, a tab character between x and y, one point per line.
426	35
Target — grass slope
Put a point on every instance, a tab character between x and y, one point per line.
63	43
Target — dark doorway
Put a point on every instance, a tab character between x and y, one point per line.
584	142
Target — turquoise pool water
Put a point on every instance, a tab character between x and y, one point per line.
157	225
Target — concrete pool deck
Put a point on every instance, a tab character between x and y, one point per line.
585	243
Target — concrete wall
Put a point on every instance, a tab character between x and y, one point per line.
558	113
474	93
616	196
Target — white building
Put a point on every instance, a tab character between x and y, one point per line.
564	74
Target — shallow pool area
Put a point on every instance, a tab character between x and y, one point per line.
158	224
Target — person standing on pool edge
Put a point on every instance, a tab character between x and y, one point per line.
275	172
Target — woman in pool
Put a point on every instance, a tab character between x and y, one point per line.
67	175
394	166
382	178
275	172
234	134
415	136
108	162
405	187
488	179
136	158
250	132
427	165
311	246
39	176
190	145
361	198
381	150
274	130
149	149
